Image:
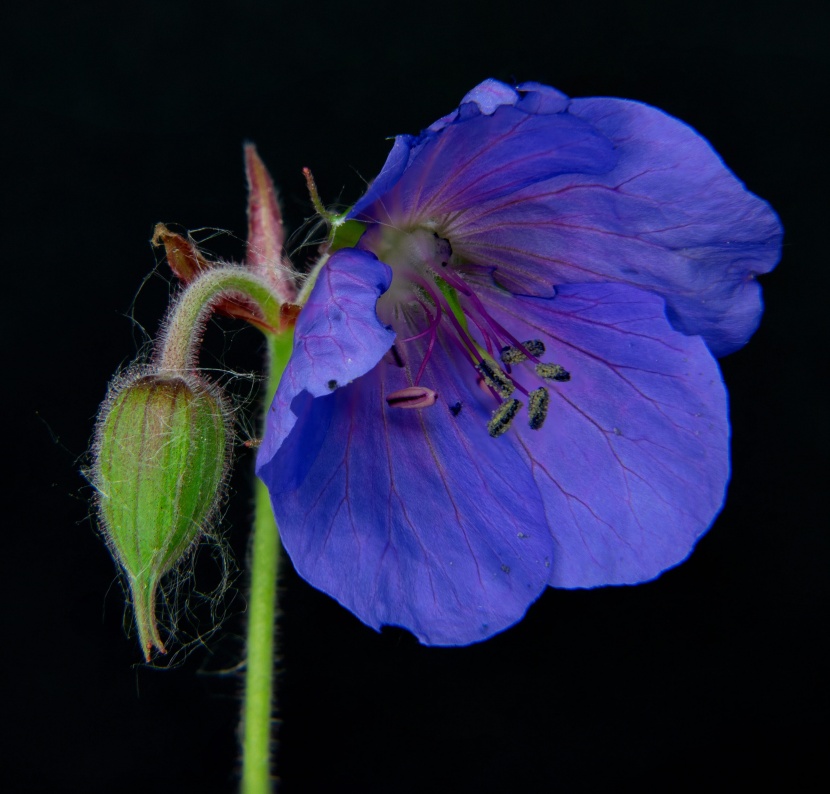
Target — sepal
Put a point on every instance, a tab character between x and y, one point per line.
161	456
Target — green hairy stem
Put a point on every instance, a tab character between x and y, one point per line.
185	324
262	612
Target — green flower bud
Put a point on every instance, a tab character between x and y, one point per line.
162	449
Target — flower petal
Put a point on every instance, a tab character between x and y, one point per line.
476	158
669	217
337	338
491	94
538	98
633	459
486	97
412	518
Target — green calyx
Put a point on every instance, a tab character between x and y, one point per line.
161	457
345	234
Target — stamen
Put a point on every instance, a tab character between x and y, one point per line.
512	355
538	407
433	326
433	330
502	417
485	335
412	397
488	390
515	355
480	310
433	322
553	372
499	384
454	312
495	378
456	283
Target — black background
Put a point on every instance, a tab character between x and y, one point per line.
123	114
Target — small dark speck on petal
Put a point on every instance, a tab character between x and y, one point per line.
505	568
332	384
455	409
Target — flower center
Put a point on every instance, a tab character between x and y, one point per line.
428	283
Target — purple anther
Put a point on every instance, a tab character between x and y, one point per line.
412	397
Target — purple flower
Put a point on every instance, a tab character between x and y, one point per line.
509	383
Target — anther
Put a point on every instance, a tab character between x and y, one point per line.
412	397
553	372
512	355
495	378
538	407
515	355
502	417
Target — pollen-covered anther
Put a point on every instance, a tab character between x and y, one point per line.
412	397
496	379
502	417
512	355
515	355
538	407
553	372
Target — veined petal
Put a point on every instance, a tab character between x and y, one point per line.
485	98
477	158
633	459
411	518
491	94
337	338
669	217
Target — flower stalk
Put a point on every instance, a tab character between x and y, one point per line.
186	323
263	610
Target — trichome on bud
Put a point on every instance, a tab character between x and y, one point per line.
161	456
